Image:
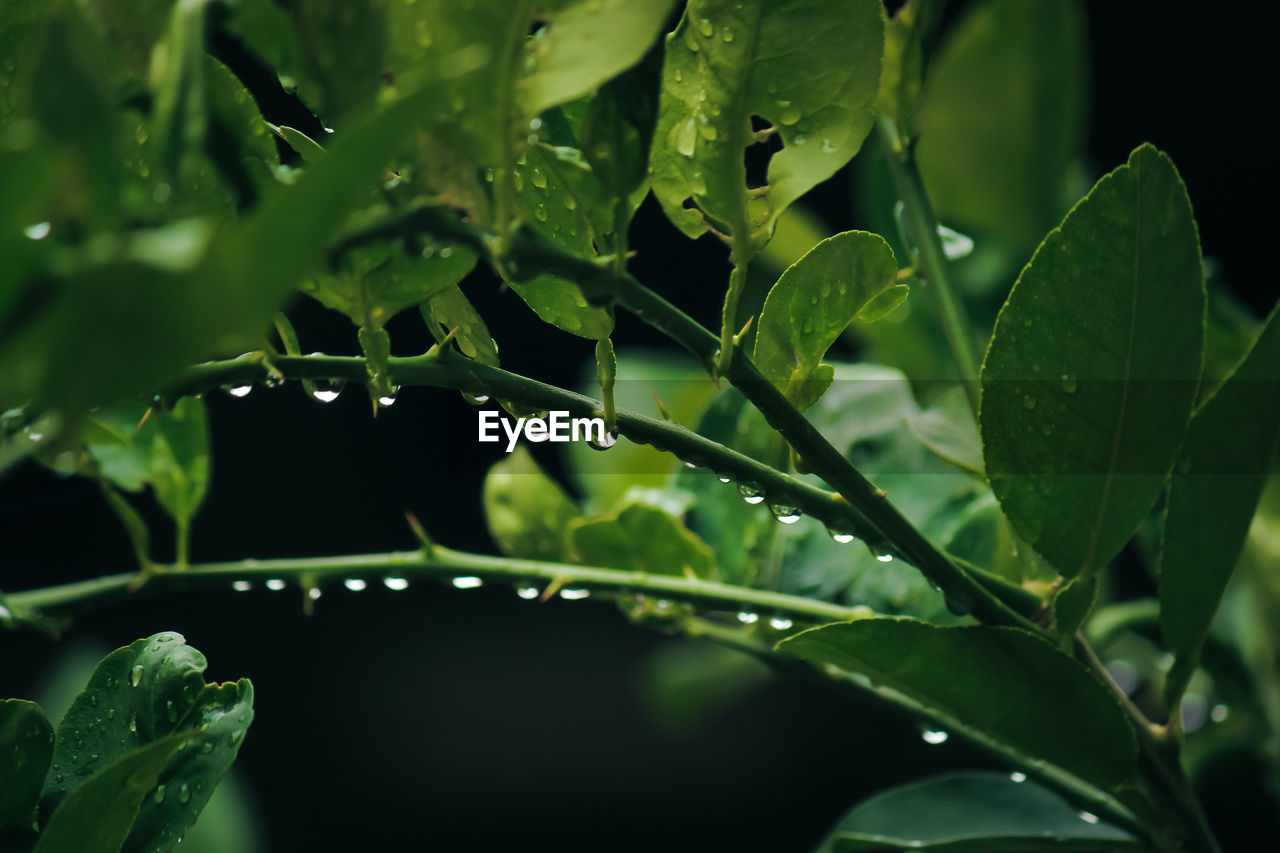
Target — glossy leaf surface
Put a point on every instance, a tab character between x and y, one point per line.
1215	489
813	302
26	747
640	538
1004	683
972	811
1092	370
730	60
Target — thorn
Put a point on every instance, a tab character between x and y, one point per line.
881	493
738	337
552	588
146	416
906	273
662	410
428	546
437	350
689	573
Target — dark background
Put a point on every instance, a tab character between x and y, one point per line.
474	721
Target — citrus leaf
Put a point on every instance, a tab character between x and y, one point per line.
450	309
641	538
1003	117
97	815
527	512
26	748
1005	684
1092	370
1215	491
972	811
587	43
729	60
812	303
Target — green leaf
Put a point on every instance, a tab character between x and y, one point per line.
1089	382
1003	117
640	537
812	303
343	47
947	428
1215	490
559	194
180	459
527	512
1005	685
729	60
221	715
586	44
97	815
450	309
26	748
180	112
904	59
972	811
307	148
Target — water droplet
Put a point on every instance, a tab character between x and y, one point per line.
133	723
135	675
706	27
840	536
467	582
539	180
1219	713
327	392
242	586
724	478
687	138
275	584
1017	777
885	558
387	400
575	594
784	513
780	623
609	440
356	584
727	35
184	794
206	747
236	735
38	231
827	147
170	711
748	618
159	795
801	139
1028	402
396	584
111	713
934	736
691	465
1069	383
540	213
528	593
570	203
790	114
535	124
239	390
750	493
1088	817
314	593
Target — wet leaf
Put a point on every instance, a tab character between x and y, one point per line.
812	303
640	537
450	309
1215	490
728	61
1089	382
972	811
26	747
1005	684
527	512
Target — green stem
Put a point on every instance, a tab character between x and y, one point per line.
182	548
442	564
836	512
932	260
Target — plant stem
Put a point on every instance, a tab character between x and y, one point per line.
932	260
439	563
836	512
